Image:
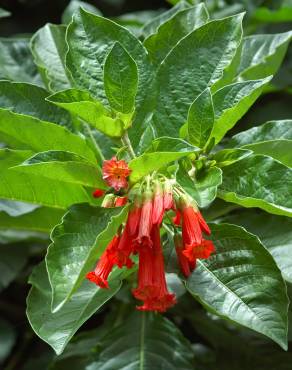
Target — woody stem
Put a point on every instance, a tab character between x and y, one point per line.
126	141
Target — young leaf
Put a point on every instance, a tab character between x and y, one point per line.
258	181
169	33
49	48
201	119
77	243
120	79
83	105
162	151
232	102
262	55
242	283
58	328
195	63
63	166
26	132
144	341
74	6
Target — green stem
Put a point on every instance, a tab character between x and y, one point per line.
127	142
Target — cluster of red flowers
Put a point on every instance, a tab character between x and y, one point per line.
150	200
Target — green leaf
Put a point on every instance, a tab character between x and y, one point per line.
272	130
7	339
15	209
204	187
16	62
226	157
4	13
78	241
152	26
258	181
26	132
283	14
169	33
24	98
162	151
42	219
120	79
275	232
262	55
12	260
201	119
144	341
83	105
232	102
63	166
242	283
58	328
195	63
49	48
74	6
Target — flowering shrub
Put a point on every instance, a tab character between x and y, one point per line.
123	142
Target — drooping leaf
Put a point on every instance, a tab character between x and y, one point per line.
58	328
120	79
77	243
74	6
200	119
26	132
195	63
162	151
275	232
63	166
83	105
226	157
262	55
258	181
242	283
144	341
169	33
232	102
49	48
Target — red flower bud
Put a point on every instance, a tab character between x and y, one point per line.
98	193
121	201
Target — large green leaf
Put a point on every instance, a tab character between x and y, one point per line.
144	341
25	132
162	151
169	33
49	49
195	63
262	55
14	208
74	6
16	62
232	102
58	328
77	243
30	100
201	119
226	157
120	79
204	187
83	105
242	283
258	181
63	166
275	232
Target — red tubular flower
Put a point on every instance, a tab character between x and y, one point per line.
191	230
158	204
98	193
133	220
185	265
202	251
115	173
121	201
145	225
167	196
105	264
177	218
125	249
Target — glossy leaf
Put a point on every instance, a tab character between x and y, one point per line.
258	181
201	119
242	283
120	79
83	105
15	209
232	102
77	243
162	151
226	157
49	49
25	132
58	328
195	63
144	341
262	55
169	33
74	6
